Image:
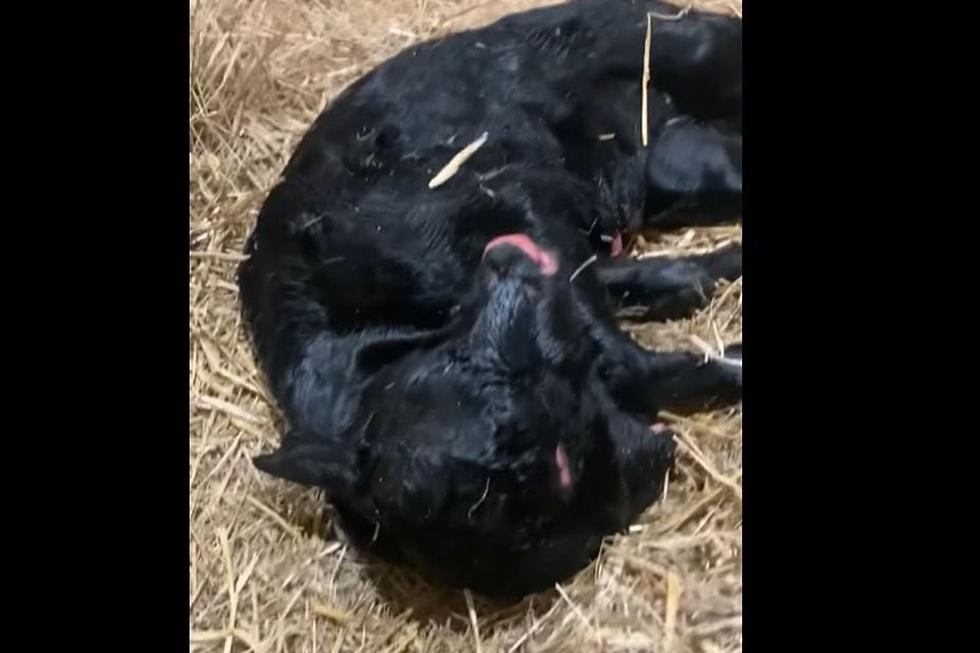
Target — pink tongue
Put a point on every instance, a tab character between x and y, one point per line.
658	427
564	469
616	247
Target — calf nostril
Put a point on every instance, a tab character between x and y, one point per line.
496	266
492	275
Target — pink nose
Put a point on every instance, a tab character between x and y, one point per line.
544	260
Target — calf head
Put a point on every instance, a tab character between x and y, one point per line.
495	446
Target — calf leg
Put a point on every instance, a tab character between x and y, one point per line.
687	383
643	382
669	288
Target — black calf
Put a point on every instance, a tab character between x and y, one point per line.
448	359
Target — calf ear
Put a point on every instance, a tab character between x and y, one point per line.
312	461
642	456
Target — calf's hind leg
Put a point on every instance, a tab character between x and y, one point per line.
661	288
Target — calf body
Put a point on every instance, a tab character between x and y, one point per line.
448	359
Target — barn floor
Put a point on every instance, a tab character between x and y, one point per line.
267	571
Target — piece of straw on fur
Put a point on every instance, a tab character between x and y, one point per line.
589	261
646	80
457	161
680	14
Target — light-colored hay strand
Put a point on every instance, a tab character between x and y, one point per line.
450	169
645	111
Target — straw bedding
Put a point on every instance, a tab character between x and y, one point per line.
268	572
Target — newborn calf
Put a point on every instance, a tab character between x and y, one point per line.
448	359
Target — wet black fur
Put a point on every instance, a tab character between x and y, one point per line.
427	391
